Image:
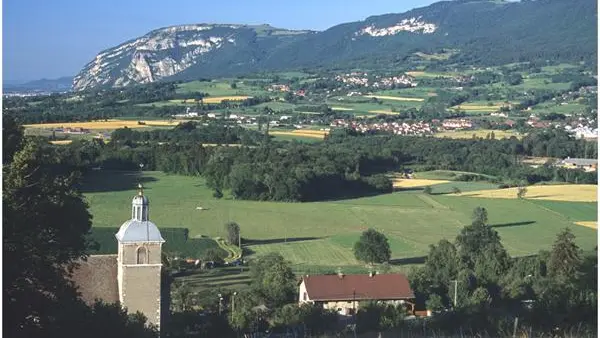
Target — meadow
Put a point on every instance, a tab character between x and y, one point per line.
319	236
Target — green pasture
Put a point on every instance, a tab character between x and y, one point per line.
542	83
569	108
298	138
177	241
319	235
220	88
417	92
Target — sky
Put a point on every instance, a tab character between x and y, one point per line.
50	39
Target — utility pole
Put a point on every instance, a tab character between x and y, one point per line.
233	303
220	303
455	291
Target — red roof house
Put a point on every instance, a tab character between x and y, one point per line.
343	292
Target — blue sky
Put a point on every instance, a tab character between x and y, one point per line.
50	39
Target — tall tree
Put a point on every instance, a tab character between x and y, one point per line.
233	233
12	137
565	257
480	216
273	278
372	247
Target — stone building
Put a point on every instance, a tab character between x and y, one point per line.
132	277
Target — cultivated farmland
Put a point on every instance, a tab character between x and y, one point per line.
317	134
570	192
319	236
106	125
395	98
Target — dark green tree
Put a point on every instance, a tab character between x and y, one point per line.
480	216
273	278
233	233
372	247
565	257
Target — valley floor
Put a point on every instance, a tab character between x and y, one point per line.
319	236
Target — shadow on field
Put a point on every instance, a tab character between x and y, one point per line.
108	180
409	260
278	240
502	225
399	189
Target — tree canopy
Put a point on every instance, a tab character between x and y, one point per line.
372	247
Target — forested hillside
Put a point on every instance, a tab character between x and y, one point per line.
469	32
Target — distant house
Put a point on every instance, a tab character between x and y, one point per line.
579	163
344	292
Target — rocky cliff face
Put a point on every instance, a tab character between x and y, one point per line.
167	52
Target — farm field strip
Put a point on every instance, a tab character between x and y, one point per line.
214	99
415	182
396	98
109	124
386	112
304	133
569	193
467	134
593	225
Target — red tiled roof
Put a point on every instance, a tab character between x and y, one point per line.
360	287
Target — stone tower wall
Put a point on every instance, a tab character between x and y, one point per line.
141	290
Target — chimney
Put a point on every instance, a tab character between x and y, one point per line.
371	274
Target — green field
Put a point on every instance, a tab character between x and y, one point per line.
318	236
177	241
220	88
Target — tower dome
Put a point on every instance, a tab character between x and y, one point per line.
139	228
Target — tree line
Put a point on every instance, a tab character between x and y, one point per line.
346	164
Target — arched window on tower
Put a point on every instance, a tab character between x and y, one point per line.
142	255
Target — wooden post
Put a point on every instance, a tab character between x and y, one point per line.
515	327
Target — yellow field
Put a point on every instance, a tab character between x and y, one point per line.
341	108
61	142
387	112
214	99
414	182
570	192
468	107
415	73
498	134
305	133
396	98
109	124
593	225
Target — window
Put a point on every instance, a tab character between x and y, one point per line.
305	297
142	255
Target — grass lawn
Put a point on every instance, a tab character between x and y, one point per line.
318	236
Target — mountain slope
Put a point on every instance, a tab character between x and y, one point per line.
44	85
483	32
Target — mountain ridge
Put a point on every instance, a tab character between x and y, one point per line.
483	32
